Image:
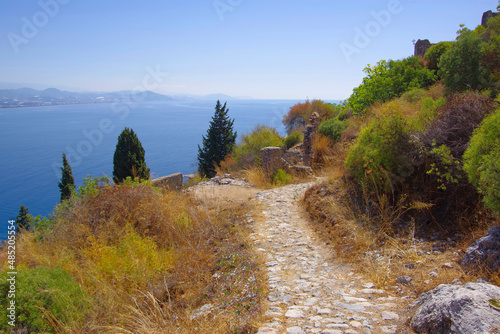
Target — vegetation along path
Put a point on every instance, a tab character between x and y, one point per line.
308	291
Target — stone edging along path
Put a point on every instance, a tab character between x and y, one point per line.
308	291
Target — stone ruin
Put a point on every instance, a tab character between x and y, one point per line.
173	181
309	135
295	161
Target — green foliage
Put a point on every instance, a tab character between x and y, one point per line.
447	169
67	184
91	185
129	157
294	139
491	46
427	113
435	52
332	128
281	178
379	159
461	66
387	80
482	161
42	295
218	142
250	144
24	220
414	95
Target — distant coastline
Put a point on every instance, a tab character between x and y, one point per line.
30	98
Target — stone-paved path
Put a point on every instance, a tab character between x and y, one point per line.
308	292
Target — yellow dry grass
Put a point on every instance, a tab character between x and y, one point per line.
150	259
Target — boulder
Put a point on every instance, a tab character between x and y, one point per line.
484	253
457	309
173	181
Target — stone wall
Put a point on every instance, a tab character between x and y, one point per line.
271	159
173	181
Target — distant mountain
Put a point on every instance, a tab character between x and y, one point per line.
29	97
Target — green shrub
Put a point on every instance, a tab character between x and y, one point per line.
294	139
387	80
433	55
482	161
414	95
250	145
379	158
281	178
461	66
332	128
40	294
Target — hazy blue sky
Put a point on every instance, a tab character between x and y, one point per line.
263	49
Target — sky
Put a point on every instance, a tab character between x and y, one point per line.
274	49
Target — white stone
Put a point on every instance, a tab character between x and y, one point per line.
389	315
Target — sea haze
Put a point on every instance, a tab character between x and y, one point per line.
170	132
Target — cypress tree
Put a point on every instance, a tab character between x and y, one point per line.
23	219
218	142
67	184
129	157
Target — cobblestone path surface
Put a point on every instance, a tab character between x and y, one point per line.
308	291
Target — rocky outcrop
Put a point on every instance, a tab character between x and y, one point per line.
457	309
173	181
484	253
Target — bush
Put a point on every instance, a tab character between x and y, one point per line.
44	296
461	66
247	150
433	55
294	139
456	122
281	178
482	161
414	95
332	128
379	158
299	114
387	80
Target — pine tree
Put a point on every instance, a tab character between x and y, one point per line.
218	142
23	219
67	184
129	157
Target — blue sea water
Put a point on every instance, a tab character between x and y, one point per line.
33	140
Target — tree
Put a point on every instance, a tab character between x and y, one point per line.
218	142
247	150
129	158
433	55
23	219
296	119
67	184
461	66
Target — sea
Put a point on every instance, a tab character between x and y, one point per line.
33	140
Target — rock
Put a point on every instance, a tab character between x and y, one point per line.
456	309
404	280
294	330
410	265
389	315
484	253
173	181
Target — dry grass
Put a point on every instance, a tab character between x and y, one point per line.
383	257
150	259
